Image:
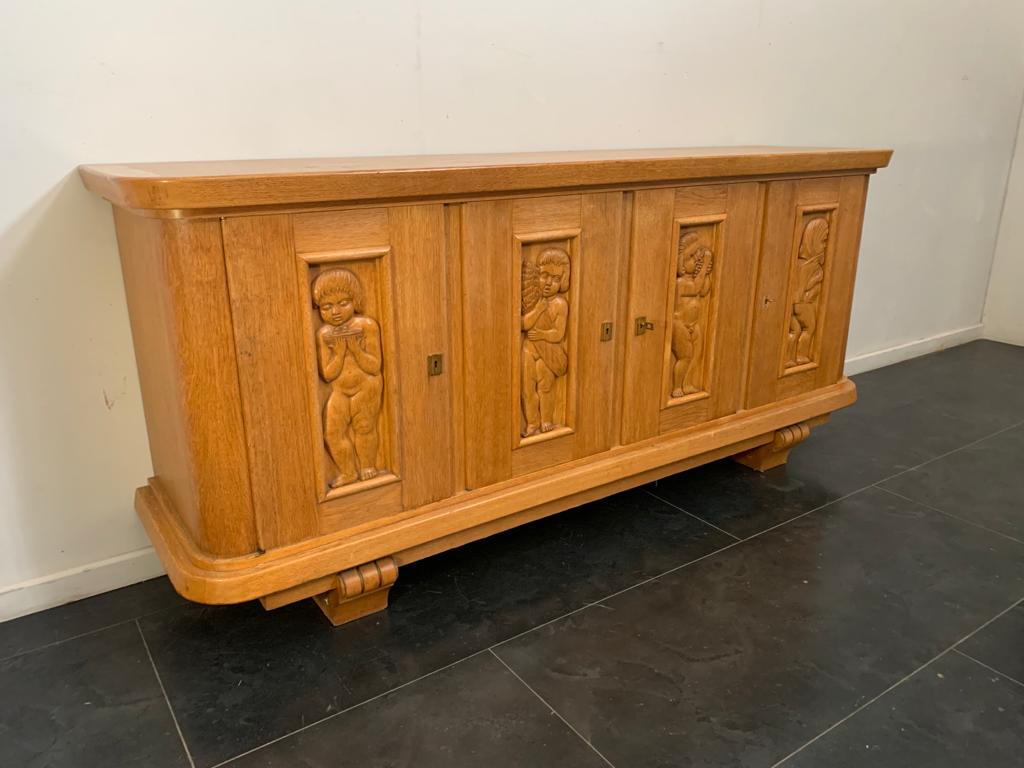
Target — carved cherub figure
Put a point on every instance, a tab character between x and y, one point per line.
810	275
693	284
349	352
544	352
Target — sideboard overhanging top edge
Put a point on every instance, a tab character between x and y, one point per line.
200	188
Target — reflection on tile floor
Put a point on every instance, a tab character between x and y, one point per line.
867	618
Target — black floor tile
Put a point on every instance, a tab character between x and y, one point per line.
1001	644
741	658
913	412
91	702
951	714
738	499
905	415
733	661
56	624
473	714
983	483
860	446
239	677
981	383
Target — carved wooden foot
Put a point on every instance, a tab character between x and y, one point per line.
775	453
359	591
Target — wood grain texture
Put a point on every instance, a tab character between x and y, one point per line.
303	447
602	279
196	188
228	580
776	452
789	206
268	329
359	591
727	216
421	315
177	296
650	269
487	340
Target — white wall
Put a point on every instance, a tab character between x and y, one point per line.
125	80
1004	308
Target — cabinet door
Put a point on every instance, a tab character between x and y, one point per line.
335	314
693	255
805	286
540	277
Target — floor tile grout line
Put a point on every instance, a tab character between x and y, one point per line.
82	634
340	712
490	648
687	564
989	668
723	549
949	453
554	711
64	640
163	691
687	512
863	706
899	682
951	515
601	600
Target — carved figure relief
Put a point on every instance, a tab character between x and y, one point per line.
809	278
545	322
694	265
349	353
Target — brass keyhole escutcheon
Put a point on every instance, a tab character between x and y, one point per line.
643	325
606	331
435	365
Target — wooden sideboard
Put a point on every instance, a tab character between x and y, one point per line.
350	364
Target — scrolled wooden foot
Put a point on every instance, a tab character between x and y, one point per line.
775	453
359	591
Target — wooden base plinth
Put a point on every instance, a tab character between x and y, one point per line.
775	453
359	591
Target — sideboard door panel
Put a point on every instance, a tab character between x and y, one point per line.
540	277
344	423
805	286
690	285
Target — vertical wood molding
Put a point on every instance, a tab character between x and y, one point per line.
487	343
260	259
421	313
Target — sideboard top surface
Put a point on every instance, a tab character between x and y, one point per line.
195	188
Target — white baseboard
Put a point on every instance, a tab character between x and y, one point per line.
883	357
105	575
1013	335
75	583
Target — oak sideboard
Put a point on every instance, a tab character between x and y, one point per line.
351	364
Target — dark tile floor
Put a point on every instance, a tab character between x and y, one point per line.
862	606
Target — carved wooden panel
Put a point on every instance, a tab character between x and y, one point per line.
693	256
553	266
691	311
805	286
384	427
345	307
543	375
807	281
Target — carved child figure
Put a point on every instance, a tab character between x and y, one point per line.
810	275
544	353
693	284
349	352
